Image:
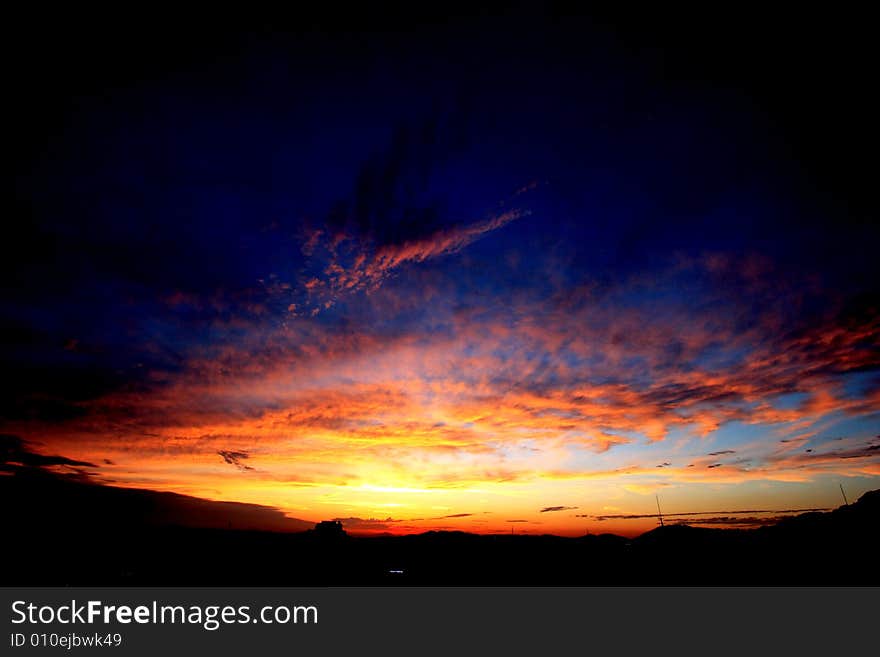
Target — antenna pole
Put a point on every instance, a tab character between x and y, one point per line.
845	501
659	513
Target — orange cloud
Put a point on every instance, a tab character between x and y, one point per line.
527	395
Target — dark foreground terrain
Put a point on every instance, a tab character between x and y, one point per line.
63	532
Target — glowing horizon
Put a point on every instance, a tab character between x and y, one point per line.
538	414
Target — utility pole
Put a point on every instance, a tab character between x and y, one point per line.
659	513
845	501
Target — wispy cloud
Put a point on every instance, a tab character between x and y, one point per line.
235	458
348	263
698	514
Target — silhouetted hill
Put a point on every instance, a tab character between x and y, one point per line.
65	532
42	497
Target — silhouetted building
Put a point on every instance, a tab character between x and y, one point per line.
330	529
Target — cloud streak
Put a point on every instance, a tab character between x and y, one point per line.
235	458
353	265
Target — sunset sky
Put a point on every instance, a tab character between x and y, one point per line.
480	277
